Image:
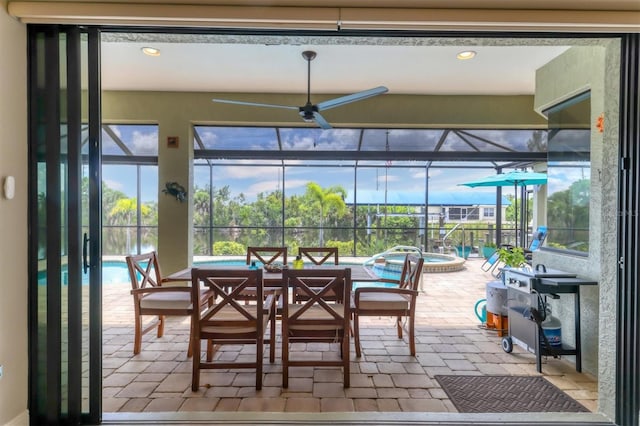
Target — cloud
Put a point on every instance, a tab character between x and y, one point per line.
208	138
114	184
265	186
293	187
389	178
145	143
418	174
238	172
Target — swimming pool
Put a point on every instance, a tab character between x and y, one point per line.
112	272
433	262
117	272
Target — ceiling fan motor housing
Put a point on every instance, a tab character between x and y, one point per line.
308	111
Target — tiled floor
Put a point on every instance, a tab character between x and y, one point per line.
386	378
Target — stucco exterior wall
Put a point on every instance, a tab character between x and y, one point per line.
594	69
13	222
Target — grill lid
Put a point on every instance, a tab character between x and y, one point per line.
540	271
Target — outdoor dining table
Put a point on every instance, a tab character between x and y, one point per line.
272	279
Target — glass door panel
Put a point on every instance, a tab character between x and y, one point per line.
64	318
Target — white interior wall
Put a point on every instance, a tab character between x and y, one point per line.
13	221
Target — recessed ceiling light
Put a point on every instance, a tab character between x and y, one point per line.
467	54
151	51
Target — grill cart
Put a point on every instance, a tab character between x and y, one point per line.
527	292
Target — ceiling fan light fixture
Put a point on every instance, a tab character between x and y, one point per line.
466	54
150	51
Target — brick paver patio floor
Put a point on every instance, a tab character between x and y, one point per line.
386	378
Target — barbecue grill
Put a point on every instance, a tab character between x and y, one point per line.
527	292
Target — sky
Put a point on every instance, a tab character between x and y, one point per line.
142	140
253	180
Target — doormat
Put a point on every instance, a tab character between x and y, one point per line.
507	394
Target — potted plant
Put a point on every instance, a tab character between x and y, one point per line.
512	257
462	250
488	249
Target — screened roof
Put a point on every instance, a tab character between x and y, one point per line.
496	148
225	142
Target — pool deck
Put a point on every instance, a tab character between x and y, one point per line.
450	340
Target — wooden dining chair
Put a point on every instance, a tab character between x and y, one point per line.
264	256
151	297
316	319
267	255
399	302
319	255
229	322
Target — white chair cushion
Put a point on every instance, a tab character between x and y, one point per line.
166	300
178	300
316	313
383	301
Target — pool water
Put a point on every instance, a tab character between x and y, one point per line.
427	259
117	272
112	272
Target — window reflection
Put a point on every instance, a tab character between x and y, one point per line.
569	175
129	188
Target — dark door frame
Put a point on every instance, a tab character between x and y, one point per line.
58	346
628	298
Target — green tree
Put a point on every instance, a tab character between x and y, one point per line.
568	214
510	214
110	197
124	212
326	200
228	248
201	206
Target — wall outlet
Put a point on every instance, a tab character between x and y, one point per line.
1	371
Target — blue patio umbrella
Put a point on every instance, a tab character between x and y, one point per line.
516	178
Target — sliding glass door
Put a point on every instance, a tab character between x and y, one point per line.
64	206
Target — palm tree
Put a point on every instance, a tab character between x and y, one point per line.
327	199
201	205
124	210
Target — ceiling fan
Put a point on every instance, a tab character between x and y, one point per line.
311	112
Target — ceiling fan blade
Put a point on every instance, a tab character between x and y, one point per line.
227	101
332	103
324	124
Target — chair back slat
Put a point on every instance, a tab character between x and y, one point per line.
144	270
267	255
320	286
411	272
319	255
227	286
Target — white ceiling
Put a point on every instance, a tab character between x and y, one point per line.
343	65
